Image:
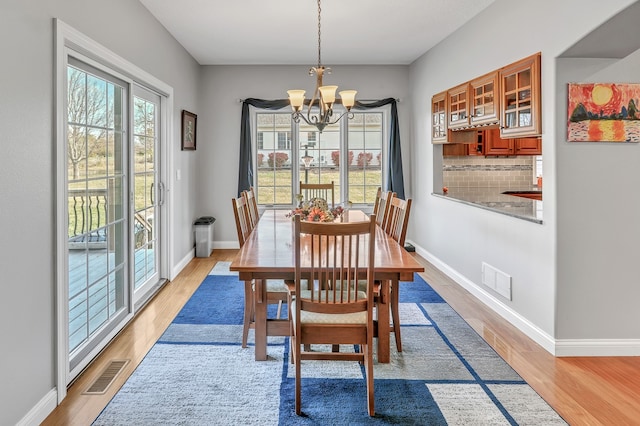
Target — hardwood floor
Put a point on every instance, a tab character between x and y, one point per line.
584	391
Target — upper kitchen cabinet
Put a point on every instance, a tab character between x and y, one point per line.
458	107
484	99
520	98
439	118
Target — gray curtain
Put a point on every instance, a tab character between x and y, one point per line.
245	169
394	174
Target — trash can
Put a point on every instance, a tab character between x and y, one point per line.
204	235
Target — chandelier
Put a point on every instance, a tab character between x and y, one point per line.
323	97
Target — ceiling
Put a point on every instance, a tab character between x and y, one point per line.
285	32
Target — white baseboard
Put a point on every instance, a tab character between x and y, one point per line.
41	410
183	262
524	325
223	245
597	347
556	347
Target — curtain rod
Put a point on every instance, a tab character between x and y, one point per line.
398	100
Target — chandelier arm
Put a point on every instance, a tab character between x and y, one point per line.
349	115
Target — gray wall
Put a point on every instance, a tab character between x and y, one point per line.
218	146
27	167
460	237
598	218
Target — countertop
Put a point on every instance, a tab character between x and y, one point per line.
492	198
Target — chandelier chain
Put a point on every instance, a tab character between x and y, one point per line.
319	50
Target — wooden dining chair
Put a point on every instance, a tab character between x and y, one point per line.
252	205
243	222
318	190
396	228
277	291
381	206
332	311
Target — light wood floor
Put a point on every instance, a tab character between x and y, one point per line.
584	391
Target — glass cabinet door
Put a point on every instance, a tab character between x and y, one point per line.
458	104
485	99
439	118
520	97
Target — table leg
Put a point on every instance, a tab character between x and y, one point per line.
260	299
383	323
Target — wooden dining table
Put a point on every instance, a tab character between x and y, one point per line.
268	254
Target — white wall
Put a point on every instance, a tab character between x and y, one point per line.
459	237
219	123
598	219
27	167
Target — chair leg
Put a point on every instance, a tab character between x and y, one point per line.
248	311
395	314
368	362
291	337
298	381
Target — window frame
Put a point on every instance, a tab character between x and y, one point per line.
296	151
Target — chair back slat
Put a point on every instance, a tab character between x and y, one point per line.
243	222
318	190
381	206
252	205
398	219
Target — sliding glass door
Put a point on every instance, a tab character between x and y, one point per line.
146	193
97	212
114	205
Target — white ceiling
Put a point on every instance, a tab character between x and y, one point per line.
281	32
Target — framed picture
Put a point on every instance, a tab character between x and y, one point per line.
603	112
189	123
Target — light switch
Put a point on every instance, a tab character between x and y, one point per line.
178	174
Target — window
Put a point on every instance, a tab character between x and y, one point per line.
365	142
349	153
284	140
260	140
311	136
274	179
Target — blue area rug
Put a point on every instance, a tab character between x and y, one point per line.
198	374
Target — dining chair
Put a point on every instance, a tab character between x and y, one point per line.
277	291
325	304
252	205
318	190
396	228
381	206
243	222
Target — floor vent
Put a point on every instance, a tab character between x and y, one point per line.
102	383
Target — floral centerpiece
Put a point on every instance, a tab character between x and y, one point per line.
316	210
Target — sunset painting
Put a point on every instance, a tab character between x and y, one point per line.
603	112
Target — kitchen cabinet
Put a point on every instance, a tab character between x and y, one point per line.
520	112
483	94
458	107
494	144
477	148
455	150
439	118
469	148
528	146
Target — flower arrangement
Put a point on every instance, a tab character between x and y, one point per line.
316	210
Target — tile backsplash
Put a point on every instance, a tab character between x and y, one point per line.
482	172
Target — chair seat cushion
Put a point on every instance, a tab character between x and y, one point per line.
318	318
274	286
